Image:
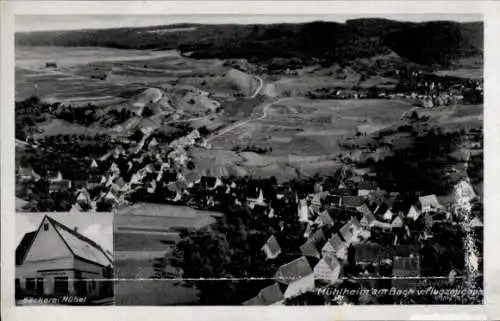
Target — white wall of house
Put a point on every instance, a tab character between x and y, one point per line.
47	245
49	258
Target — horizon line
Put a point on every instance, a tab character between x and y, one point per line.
31	26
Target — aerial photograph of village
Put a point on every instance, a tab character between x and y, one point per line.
325	160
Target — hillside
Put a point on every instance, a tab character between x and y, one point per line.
427	43
436	42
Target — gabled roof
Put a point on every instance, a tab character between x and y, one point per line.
53	174
347	231
83	195
377	197
331	200
314	244
325	218
273	245
61	185
397	222
368	219
94	178
364	209
371	252
24	171
413	213
23	246
429	200
476	222
271	294
325	267
304	284
93	164
334	244
342	192
352	201
293	270
192	176
368	185
254	301
82	246
381	209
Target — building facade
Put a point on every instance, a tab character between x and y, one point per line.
55	260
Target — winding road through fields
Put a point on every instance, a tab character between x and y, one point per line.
262	107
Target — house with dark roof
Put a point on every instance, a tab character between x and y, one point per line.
59	186
370	253
429	203
83	197
56	260
292	271
25	174
335	247
93	181
312	247
332	200
327	270
324	219
350	230
368	220
412	213
297	275
352	201
366	187
342	192
54	176
267	296
272	248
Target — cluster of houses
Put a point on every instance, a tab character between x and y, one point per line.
57	182
426	89
107	182
343	227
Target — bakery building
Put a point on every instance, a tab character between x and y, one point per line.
55	260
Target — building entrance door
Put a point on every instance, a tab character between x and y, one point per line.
39	286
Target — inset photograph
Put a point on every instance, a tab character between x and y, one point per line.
64	259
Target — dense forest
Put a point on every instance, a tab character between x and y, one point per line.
438	42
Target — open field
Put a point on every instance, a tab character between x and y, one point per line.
36	57
473	73
144	232
154	292
301	136
104	74
311	127
149	227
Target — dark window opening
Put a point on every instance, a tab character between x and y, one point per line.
46	227
61	285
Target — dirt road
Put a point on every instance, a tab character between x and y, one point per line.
263	107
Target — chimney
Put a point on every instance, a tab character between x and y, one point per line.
75	229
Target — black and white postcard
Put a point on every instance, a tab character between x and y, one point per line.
257	159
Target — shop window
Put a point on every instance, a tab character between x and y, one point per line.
61	285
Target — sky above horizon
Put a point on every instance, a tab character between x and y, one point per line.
74	22
97	227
